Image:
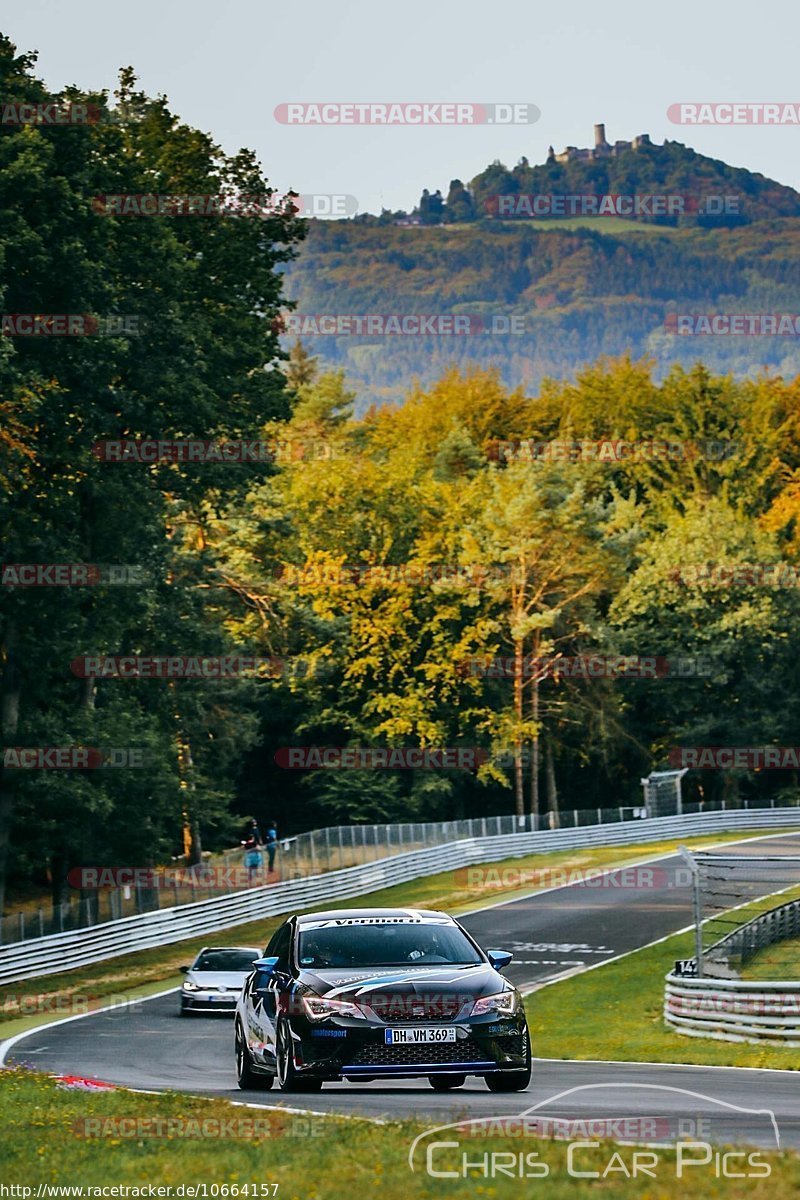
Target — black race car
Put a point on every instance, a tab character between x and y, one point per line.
363	994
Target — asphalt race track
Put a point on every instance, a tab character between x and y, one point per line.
149	1046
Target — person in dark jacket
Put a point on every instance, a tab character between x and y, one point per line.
272	844
252	838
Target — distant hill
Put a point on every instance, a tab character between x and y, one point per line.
577	288
695	190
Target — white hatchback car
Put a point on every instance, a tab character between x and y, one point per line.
215	978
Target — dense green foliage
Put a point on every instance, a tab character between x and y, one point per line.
605	286
556	558
388	550
202	293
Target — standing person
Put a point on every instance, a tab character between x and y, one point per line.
252	838
253	858
272	844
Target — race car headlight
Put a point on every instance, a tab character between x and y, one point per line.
317	1008
188	986
504	1003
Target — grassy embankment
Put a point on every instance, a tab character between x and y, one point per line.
102	1139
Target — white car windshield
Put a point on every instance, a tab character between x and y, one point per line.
225	960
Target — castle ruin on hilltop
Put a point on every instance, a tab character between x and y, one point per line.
601	148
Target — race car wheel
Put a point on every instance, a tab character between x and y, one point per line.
289	1078
248	1078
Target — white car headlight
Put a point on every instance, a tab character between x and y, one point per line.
188	986
504	1003
317	1008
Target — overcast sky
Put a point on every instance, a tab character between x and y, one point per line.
225	67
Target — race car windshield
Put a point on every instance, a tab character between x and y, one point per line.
225	960
385	945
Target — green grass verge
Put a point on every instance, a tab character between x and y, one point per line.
58	1137
617	1013
35	1002
781	961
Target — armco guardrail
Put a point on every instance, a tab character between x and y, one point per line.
738	1010
734	1010
61	952
777	925
329	849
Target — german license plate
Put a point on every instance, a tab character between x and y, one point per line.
428	1033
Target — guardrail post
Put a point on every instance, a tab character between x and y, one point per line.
697	907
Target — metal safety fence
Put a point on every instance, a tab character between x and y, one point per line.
317	852
63	951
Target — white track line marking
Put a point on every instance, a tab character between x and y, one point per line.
642	862
18	1037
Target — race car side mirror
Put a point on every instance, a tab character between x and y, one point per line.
265	966
499	958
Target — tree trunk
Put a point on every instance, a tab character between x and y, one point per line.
9	724
195	853
518	709
534	800
550	777
58	877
